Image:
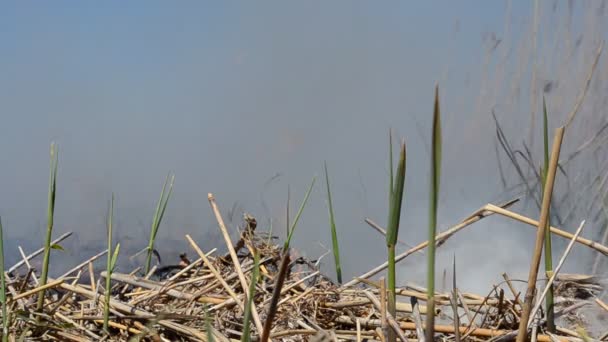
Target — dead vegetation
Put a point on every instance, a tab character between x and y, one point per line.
206	299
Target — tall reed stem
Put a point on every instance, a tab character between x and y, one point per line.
393	232
540	236
161	205
334	233
49	228
434	197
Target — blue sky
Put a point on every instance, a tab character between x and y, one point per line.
227	95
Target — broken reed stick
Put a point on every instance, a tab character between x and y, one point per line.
391	320
601	304
27	263
561	233
383	310
38	289
38	252
442	329
554	274
418	319
235	260
297	283
122	307
540	235
83	264
401	307
157	288
383	232
439	238
92	276
215	272
72	322
512	289
191	266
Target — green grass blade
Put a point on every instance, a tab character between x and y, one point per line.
295	221
248	307
109	267
393	232
115	257
49	228
287	210
3	288
549	299
161	205
434	198
332	225
390	167
396	202
210	337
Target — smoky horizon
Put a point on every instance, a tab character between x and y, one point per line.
248	101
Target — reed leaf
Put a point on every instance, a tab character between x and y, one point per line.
210	337
434	198
390	168
161	205
49	227
332	225
393	232
111	262
549	300
298	214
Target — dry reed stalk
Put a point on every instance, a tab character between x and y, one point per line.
383	307
476	216
401	307
122	307
418	320
38	252
29	267
443	329
85	330
158	289
92	276
561	233
44	287
512	289
392	323
235	260
83	264
554	274
215	272
540	235
465	307
382	231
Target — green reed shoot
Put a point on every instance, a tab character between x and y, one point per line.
299	213
332	225
434	197
249	305
158	217
393	230
111	264
548	252
49	228
3	288
210	337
